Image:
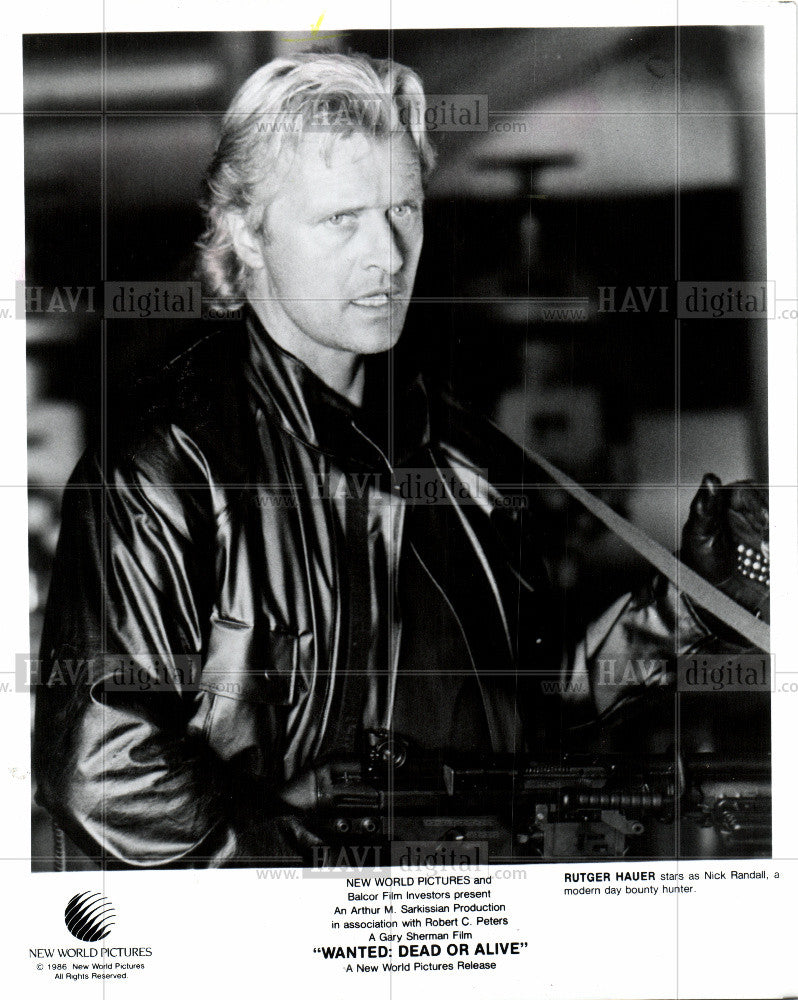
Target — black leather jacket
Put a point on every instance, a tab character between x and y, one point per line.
236	559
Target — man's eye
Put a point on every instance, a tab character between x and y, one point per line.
340	219
403	211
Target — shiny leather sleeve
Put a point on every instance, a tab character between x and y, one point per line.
630	648
116	763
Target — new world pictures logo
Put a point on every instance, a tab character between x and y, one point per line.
89	916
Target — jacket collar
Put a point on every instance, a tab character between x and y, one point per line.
394	420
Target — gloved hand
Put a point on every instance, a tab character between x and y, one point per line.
726	540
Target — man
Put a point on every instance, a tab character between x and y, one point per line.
250	549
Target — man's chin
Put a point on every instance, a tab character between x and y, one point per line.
375	338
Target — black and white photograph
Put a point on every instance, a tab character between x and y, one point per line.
309	592
406	411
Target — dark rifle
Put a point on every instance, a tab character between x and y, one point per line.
587	805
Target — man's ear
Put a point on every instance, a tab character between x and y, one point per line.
245	241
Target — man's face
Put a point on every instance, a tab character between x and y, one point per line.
343	238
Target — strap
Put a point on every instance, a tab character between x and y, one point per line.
685	579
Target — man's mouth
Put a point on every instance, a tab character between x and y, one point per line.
375	300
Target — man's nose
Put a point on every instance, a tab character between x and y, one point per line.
383	246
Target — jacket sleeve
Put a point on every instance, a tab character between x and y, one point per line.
631	647
117	763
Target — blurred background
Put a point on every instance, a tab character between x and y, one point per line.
625	158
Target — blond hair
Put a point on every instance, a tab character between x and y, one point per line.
309	91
